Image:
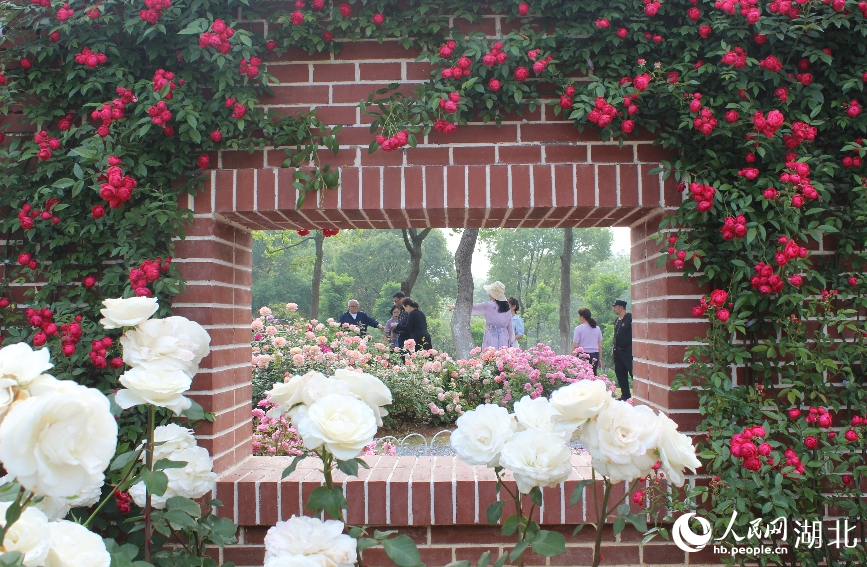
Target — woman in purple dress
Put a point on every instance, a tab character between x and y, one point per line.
499	332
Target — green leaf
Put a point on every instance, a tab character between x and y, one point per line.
495	512
332	501
63	183
185	505
366	543
548	543
155	481
349	468
510	525
195	412
518	550
484	560
402	551
577	493
619	524
123	460
163	464
291	468
179	520
638	521
536	495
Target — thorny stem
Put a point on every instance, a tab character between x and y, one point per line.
600	523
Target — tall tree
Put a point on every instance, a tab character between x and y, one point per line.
460	323
318	239
566	291
413	240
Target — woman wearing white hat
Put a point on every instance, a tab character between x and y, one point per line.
499	332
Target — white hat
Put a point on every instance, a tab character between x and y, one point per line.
496	290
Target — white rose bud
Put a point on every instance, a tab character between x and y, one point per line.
537	458
580	401
28	535
344	424
173	342
163	387
75	546
622	441
540	415
676	451
322	543
369	388
60	441
481	434
127	312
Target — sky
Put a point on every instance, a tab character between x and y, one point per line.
480	259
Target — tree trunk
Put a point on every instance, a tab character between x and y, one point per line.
460	323
318	239
412	239
566	291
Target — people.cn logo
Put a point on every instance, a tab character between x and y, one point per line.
688	540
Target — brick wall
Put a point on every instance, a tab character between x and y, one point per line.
438	501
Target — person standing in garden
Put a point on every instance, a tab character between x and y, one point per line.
622	351
391	324
517	322
398	302
355	317
588	337
414	326
499	332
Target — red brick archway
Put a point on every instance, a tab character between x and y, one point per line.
534	171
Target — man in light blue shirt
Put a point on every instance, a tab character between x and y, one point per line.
517	322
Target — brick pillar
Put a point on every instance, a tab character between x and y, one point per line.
217	261
663	326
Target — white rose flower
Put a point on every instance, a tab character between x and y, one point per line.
290	560
676	451
29	535
369	388
173	342
306	389
580	401
58	508
321	542
192	481
20	367
60	441
537	458
540	415
345	425
163	387
127	312
622	441
169	439
481	434
75	546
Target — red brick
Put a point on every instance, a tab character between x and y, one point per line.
418	71
520	186
290	73
585	179
483	155
477	134
456	192
428	156
413	187
302	94
499	187
611	154
372	51
519	154
334	73
380	72
542	190
486	26
566	154
607	185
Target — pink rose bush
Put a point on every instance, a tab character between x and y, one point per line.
427	386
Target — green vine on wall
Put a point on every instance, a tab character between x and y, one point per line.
759	104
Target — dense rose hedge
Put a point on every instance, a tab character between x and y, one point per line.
759	103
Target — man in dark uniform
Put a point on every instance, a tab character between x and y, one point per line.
622	352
